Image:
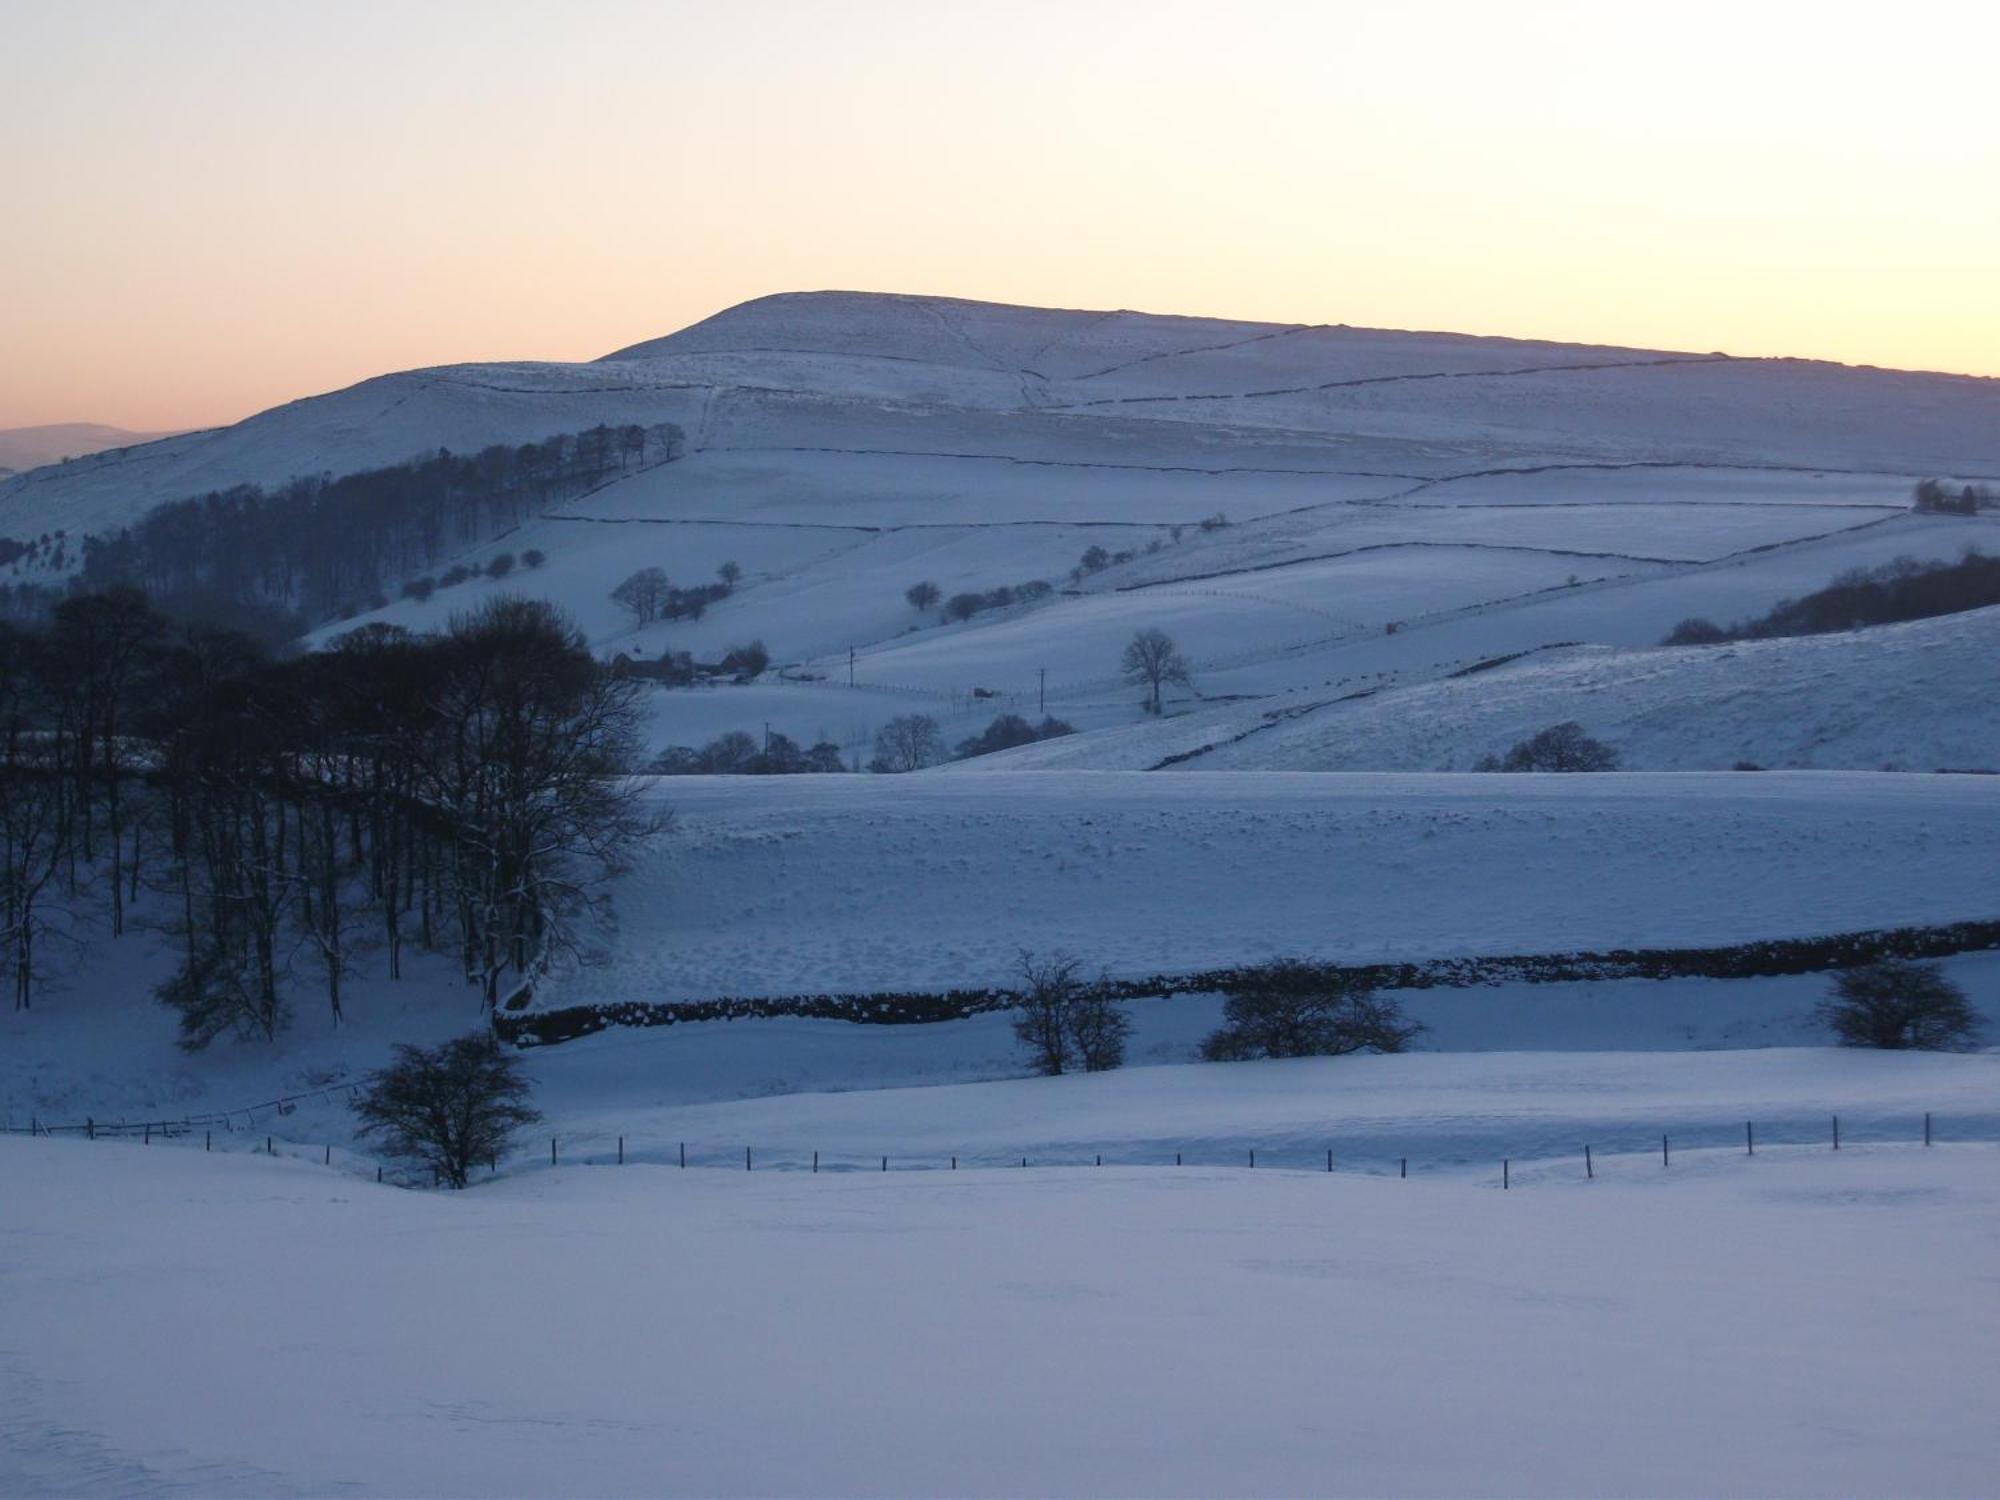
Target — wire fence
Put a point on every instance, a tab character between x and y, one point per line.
1584	1149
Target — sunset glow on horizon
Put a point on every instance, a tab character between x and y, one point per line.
217	206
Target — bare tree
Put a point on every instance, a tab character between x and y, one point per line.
448	1107
1152	660
1098	1029
1291	1008
1900	1003
908	742
922	595
643	594
729	572
1049	990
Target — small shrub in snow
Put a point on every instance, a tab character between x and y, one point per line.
1696	631
922	595
1898	1003
1291	1008
501	565
448	1107
534	557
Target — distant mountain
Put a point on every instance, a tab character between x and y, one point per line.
23	448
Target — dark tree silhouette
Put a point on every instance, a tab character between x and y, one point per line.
1152	659
1291	1008
449	1107
1899	1003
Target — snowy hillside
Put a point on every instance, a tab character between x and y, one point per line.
1379	507
1913	697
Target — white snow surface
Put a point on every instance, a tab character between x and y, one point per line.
176	1323
1915	697
802	884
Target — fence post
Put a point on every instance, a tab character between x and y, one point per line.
329	1156
1927	1127
269	1149
1329	1161
1836	1132
552	1151
1506	1173
208	1140
954	1164
378	1174
684	1155
1100	1158
1253	1156
90	1127
1665	1160
1403	1170
149	1135
1749	1138
1589	1170
746	1158
621	1150
1177	1158
815	1163
885	1163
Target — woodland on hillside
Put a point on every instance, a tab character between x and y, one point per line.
460	791
276	561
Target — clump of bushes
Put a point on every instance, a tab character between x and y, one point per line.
964	606
739	754
1560	747
1009	730
1902	1004
1291	1008
1903	589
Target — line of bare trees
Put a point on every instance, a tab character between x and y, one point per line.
462	791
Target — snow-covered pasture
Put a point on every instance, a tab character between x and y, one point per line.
1910	697
792	885
1804	1323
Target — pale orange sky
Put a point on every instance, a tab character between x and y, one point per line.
213	206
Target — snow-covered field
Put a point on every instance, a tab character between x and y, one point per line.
1383	510
1804	1323
1913	697
790	885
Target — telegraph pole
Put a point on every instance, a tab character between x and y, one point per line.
1042	692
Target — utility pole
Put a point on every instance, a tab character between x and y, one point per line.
850	666
1042	692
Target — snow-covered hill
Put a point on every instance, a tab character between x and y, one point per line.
1398	506
23	448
